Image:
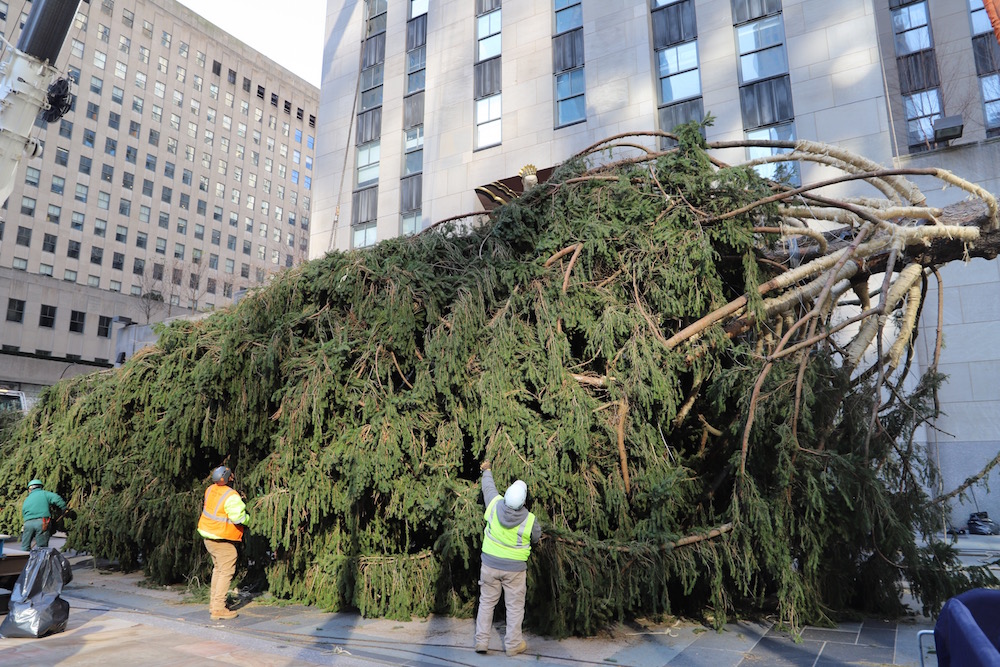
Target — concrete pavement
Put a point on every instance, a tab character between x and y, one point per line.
114	618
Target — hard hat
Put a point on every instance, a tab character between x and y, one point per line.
515	494
35	482
222	475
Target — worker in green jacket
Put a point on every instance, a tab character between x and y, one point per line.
38	515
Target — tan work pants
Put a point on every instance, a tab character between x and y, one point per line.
224	561
515	587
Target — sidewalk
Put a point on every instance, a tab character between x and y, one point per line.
113	619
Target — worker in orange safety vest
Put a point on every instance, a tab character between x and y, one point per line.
221	524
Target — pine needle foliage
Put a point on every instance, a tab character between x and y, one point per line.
355	395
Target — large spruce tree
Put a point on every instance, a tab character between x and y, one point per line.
700	375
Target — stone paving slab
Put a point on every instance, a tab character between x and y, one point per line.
834	655
114	619
836	635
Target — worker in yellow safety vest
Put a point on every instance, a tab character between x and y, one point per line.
510	531
221	524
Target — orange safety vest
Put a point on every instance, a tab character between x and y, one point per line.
214	519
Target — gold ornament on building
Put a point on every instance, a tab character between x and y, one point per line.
529	176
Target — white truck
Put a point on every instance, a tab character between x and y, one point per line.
13	400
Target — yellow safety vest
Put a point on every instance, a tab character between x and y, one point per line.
512	543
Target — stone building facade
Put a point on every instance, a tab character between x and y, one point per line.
425	103
181	177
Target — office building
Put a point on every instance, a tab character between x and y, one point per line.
426	103
181	177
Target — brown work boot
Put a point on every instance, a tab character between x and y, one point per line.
520	648
224	615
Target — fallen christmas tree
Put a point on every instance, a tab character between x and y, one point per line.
700	428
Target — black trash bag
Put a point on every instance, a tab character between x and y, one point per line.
35	608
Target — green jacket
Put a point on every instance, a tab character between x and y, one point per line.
36	505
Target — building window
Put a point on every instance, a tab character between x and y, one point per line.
413	147
376	12
27	206
922	109
49	243
417	7
24	236
103	326
15	310
776	171
371	87
990	87
77	320
416	63
364	235
570	102
488	35
73	250
488	112
911	28
410	223
32	175
762	49
569	15
678	71
47	316
96	255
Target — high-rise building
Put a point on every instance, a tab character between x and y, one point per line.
426	104
181	176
